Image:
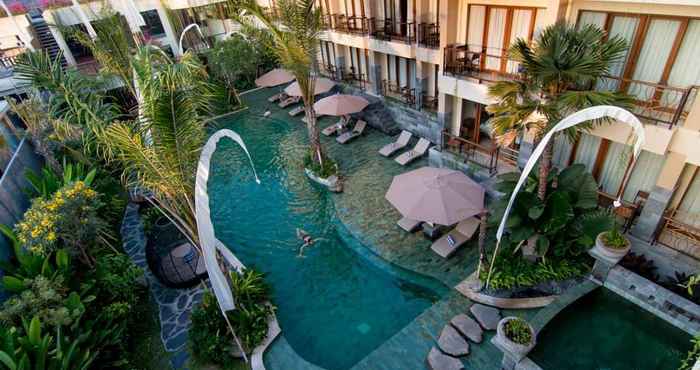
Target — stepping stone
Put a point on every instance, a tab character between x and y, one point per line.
468	327
452	343
440	361
488	317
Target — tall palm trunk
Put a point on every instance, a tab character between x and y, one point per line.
314	137
545	166
482	242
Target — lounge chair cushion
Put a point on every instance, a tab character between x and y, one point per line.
460	235
418	151
357	131
389	149
408	224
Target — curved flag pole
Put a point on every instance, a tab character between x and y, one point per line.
592	113
190	26
208	241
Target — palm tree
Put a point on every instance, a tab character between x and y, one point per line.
295	26
160	150
559	73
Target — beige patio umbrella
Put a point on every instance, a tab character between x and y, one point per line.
436	195
322	85
275	77
340	105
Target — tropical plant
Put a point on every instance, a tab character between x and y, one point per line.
565	223
559	73
614	239
161	150
48	182
693	355
295	27
518	331
234	61
47	299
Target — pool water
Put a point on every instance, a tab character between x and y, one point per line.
339	301
604	331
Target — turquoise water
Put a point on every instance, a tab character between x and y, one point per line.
338	302
604	331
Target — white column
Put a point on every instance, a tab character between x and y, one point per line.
84	19
169	30
58	36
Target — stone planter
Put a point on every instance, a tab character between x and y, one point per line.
612	253
333	183
513	352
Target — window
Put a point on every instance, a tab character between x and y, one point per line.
153	26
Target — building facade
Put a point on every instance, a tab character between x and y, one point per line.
433	60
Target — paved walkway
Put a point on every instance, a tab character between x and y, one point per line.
174	305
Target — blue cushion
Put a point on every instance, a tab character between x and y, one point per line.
451	241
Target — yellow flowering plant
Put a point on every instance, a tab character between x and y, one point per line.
68	218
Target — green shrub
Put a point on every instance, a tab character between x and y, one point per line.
614	239
209	337
518	331
49	300
328	169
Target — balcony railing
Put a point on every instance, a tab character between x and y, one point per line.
481	155
682	236
392	30
471	61
353	78
404	94
429	103
8	62
351	24
328	71
429	35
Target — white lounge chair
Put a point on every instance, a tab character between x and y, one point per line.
334	128
448	244
276	97
289	101
296	111
418	151
356	132
400	143
408	224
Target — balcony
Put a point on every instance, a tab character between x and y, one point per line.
328	71
353	78
486	156
391	30
403	94
349	24
429	103
429	35
463	61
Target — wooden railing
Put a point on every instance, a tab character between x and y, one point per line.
392	30
404	94
353	78
350	24
463	60
8	62
328	71
678	235
429	35
481	155
429	103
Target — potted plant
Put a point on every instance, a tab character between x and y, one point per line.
613	244
516	337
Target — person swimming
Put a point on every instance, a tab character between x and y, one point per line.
306	238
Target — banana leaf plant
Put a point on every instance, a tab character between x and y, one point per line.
565	223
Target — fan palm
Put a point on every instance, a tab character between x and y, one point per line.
295	26
160	151
559	73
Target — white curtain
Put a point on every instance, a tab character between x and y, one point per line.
689	209
596	18
496	35
644	174
475	33
685	71
540	21
652	58
614	167
391	70
403	67
562	151
587	151
520	29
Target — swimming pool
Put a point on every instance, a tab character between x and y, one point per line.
337	303
605	331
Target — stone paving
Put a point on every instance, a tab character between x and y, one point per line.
174	305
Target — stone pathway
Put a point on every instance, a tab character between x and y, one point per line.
454	339
174	305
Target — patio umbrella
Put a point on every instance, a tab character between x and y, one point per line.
275	77
322	85
436	195
340	105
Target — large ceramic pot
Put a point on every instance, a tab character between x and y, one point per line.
333	183
515	351
613	253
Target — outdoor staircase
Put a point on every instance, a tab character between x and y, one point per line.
44	35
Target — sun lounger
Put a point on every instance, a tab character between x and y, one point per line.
289	101
356	132
400	143
450	242
334	128
408	224
276	97
296	111
418	151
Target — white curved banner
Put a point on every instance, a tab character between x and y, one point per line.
199	30
207	240
592	113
